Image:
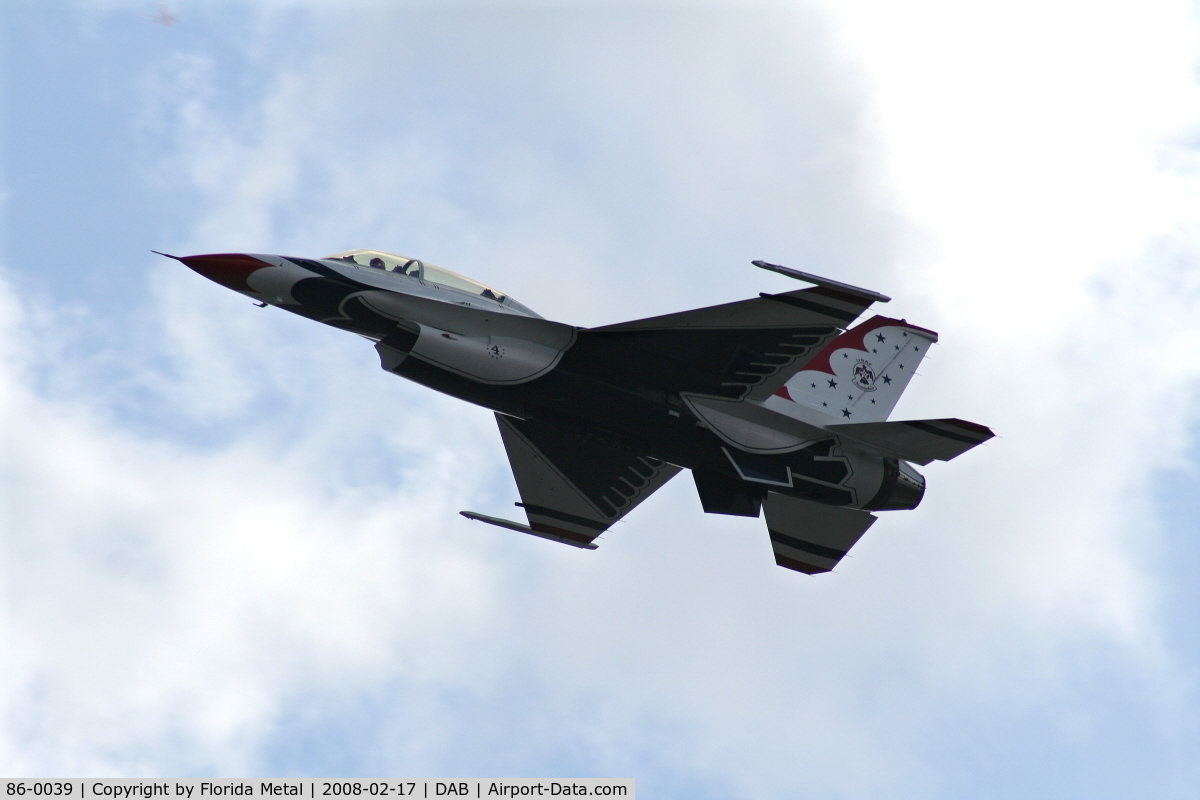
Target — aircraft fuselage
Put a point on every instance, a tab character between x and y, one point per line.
614	412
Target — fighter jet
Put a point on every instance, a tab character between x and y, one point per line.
164	16
775	404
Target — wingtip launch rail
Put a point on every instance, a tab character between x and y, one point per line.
817	280
517	526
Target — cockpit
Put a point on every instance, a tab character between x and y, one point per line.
390	262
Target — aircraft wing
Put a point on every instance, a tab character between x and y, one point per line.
819	305
812	537
572	488
741	350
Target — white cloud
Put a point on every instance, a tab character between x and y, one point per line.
164	591
279	548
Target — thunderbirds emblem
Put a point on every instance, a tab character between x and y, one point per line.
864	376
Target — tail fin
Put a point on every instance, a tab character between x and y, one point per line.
860	375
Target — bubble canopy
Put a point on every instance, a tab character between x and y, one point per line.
391	262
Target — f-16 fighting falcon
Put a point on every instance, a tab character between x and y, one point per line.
775	404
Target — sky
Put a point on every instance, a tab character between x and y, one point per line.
230	542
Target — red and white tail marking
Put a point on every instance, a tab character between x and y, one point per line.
860	375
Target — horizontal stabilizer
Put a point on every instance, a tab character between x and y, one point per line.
516	526
919	441
812	537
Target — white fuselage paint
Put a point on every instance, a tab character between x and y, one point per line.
488	359
754	427
462	333
274	284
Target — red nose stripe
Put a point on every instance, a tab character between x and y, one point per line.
227	269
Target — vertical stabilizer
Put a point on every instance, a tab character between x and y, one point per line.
860	375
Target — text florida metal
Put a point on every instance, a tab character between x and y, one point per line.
774	403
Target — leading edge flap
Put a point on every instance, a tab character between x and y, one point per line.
575	488
812	537
817	306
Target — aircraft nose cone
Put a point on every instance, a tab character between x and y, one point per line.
228	269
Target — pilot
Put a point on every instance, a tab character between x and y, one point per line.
377	263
